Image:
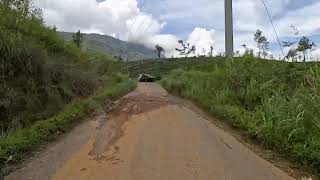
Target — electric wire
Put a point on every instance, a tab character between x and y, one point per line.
273	26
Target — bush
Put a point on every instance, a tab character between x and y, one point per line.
275	102
14	145
39	72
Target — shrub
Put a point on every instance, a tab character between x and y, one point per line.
274	102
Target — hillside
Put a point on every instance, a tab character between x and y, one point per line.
46	84
113	46
159	68
275	103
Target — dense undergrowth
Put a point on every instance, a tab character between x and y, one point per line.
276	103
46	84
39	72
15	145
160	67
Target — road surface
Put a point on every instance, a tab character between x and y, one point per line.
151	137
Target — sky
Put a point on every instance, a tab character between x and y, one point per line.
199	22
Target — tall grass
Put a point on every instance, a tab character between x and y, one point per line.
276	103
39	72
46	84
15	145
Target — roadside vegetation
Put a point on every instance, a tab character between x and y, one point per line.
277	103
46	84
15	144
159	68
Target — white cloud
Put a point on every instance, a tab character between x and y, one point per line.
125	20
203	40
122	19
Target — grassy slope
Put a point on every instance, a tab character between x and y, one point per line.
113	46
40	73
15	145
160	67
46	84
276	103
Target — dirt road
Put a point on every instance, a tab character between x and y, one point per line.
151	137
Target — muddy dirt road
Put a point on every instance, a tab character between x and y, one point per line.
151	137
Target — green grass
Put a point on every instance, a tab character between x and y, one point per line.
276	103
15	145
42	79
160	67
40	73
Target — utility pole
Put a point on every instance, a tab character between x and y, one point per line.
228	29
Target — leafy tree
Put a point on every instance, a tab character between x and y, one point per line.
54	28
237	53
247	52
211	51
23	6
186	48
265	47
292	54
271	56
262	43
159	50
192	50
78	38
305	44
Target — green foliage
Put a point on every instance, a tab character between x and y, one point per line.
159	50
112	46
304	45
262	43
187	49
77	38
39	72
162	67
274	102
15	145
42	79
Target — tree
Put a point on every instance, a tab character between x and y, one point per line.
247	52
78	38
265	47
257	38
192	50
305	44
271	57
237	53
186	48
54	28
23	6
159	50
292	54
262	43
211	51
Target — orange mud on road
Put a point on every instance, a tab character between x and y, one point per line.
151	137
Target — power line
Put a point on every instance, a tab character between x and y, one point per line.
273	26
151	24
144	19
136	17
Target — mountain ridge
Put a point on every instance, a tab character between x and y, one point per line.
113	46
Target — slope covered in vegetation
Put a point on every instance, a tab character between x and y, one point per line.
46	84
40	73
110	45
277	103
161	67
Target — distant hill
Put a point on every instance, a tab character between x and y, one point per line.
113	46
